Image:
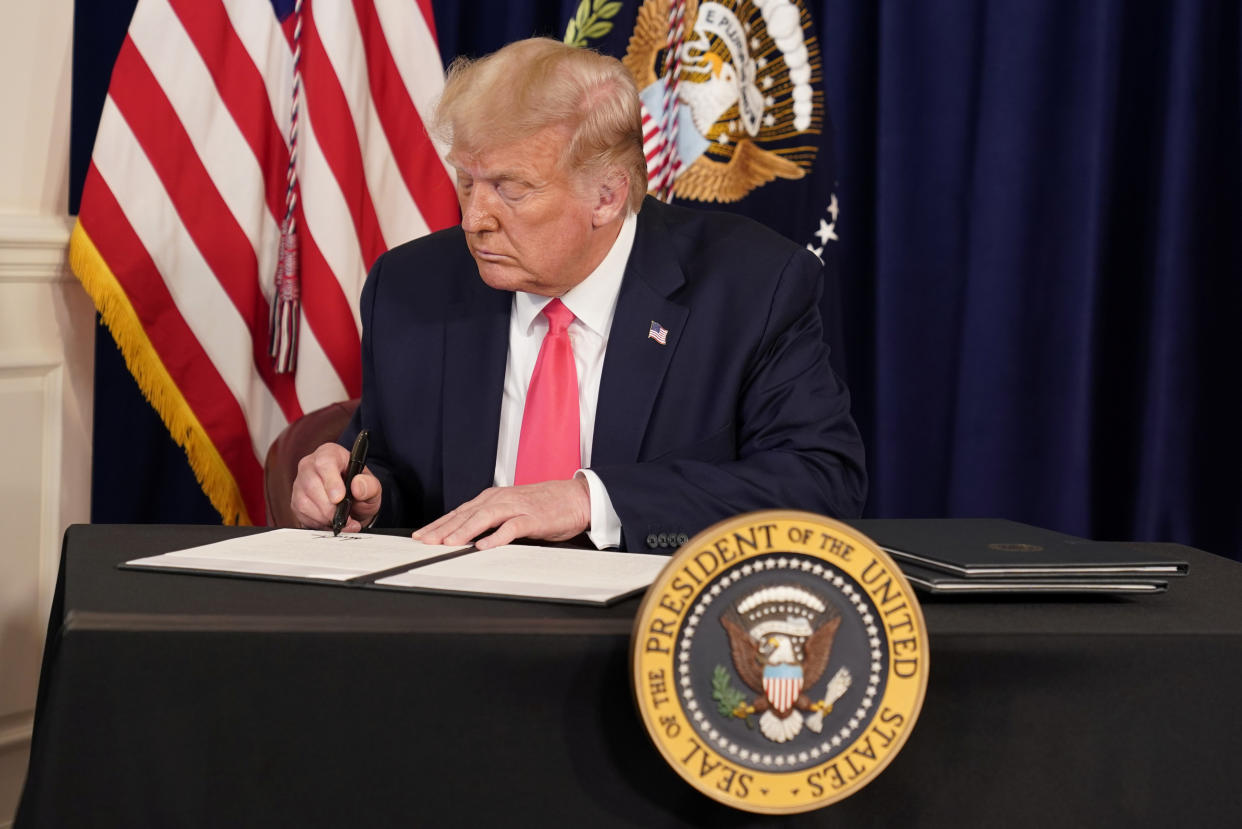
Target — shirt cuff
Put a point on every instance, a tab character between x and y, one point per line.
605	530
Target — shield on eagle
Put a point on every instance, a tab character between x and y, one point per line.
781	637
782	684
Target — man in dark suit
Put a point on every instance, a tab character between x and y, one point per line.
701	385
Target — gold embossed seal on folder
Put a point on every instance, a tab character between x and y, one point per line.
779	661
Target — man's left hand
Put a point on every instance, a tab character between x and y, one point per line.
551	511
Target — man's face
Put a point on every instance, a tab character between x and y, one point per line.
526	225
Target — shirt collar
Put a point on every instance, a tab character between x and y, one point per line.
594	299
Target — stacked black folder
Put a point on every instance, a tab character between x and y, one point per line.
992	555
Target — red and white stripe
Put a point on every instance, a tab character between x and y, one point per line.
660	155
670	105
660	128
782	691
186	193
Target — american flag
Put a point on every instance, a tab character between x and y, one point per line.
658	333
179	233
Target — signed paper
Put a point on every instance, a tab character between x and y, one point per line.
301	554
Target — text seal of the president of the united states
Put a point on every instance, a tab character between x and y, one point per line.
779	661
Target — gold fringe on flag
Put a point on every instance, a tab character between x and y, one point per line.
153	378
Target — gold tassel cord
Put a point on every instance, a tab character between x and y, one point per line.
153	378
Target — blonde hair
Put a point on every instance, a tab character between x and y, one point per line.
538	83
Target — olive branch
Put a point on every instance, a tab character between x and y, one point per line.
728	698
591	21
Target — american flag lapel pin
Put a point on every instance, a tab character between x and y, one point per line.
658	333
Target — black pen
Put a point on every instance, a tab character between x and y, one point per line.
357	459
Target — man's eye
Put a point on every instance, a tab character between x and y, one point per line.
512	191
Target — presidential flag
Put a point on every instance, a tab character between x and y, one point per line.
733	107
253	158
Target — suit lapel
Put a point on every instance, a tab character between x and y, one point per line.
635	364
476	343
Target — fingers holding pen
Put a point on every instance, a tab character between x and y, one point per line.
320	486
365	490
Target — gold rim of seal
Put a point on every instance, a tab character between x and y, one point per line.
653	664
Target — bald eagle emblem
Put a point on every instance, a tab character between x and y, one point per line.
730	107
763	666
781	639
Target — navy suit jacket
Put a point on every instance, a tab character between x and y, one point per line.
739	411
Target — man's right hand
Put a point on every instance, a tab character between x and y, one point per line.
320	486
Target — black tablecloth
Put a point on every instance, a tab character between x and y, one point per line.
173	700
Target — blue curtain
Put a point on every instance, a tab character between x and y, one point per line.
1040	224
1039	258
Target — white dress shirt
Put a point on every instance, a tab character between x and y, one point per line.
593	303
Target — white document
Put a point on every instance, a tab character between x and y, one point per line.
552	573
301	554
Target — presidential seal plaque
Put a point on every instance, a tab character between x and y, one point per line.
779	661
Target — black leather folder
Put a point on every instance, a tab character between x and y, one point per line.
993	554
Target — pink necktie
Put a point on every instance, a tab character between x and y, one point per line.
548	444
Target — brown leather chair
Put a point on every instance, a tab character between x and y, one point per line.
298	440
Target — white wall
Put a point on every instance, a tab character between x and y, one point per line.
46	358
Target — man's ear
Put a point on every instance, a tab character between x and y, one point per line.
614	193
